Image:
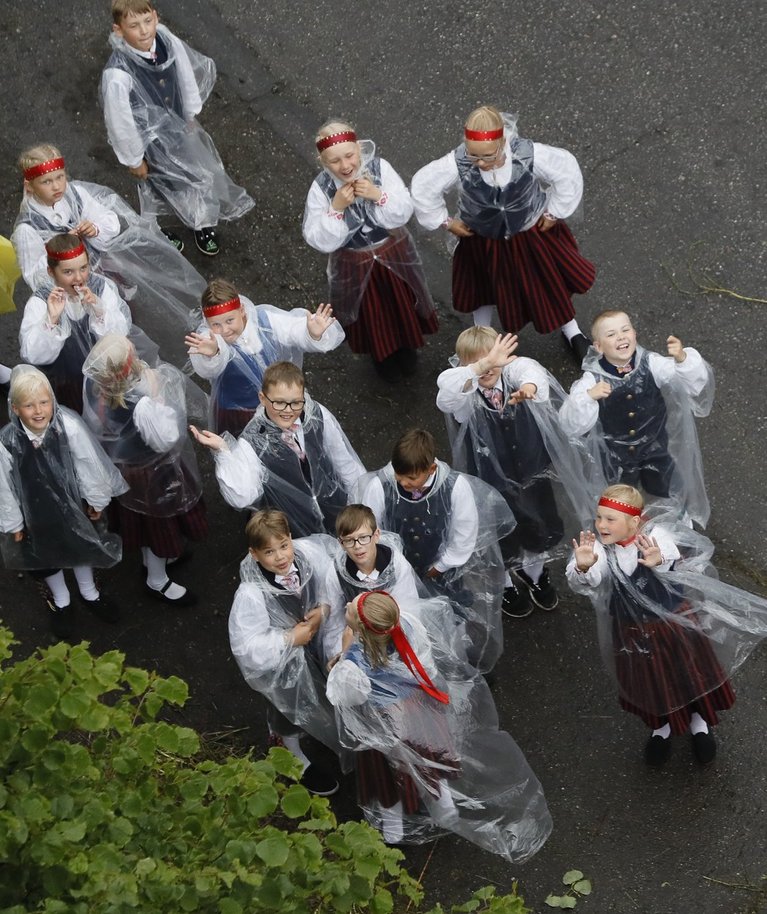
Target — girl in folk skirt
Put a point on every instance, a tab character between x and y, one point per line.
670	632
139	416
356	211
514	251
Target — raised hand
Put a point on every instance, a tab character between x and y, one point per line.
319	322
501	354
583	548
651	554
57	301
600	390
85	229
208	439
676	349
525	392
199	344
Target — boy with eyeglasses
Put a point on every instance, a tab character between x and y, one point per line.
515	253
293	456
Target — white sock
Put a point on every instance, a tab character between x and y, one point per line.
293	744
664	732
391	824
698	724
570	329
84	578
534	569
483	316
5	374
59	589
507	582
156	576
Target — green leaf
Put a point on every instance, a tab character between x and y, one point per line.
382	902
137	680
583	887
36	739
144	867
296	801
554	901
568	901
285	762
572	876
40	698
263	803
229	906
273	851
74	703
173	690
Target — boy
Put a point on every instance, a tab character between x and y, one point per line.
366	560
292	455
239	340
152	88
275	631
435	510
642	405
55	482
506	426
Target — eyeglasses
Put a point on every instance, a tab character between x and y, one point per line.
488	158
279	405
348	542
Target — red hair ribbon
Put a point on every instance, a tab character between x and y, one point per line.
619	506
234	304
123	373
404	649
43	168
348	136
65	255
480	136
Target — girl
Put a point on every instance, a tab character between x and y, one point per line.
356	211
514	253
55	482
423	727
138	414
670	632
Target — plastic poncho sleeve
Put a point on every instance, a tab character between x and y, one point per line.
97	477
428	189
256	645
11	517
559	169
461	539
240	473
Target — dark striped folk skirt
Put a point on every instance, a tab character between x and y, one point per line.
530	277
230	420
672	672
381	781
380	297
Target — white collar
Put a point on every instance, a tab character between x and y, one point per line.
373	576
34	436
279	578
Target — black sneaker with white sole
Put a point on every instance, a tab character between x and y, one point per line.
516	602
207	242
542	593
319	782
177	243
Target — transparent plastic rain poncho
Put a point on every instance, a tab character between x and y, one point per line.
291	678
475	589
46	486
549	480
186	175
162	287
663	434
672	636
469	777
159	464
368	243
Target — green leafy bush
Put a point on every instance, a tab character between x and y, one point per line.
106	809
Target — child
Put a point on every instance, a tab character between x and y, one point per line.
507	435
55	482
138	414
436	512
162	286
365	560
670	632
275	630
152	89
293	454
514	251
66	315
239	340
424	731
356	211
642	406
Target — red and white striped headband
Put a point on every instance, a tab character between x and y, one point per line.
43	169
224	307
619	506
347	136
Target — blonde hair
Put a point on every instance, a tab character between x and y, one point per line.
114	367
37	155
265	526
473	343
603	316
218	291
626	494
487	117
282	373
123	8
26	380
382	612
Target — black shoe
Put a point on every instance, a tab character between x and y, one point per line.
62	621
103	609
704	747
408	361
207	242
389	369
319	782
187	599
516	603
580	346
177	243
657	751
543	593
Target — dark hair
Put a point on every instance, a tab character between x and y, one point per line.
352	518
218	291
265	526
414	452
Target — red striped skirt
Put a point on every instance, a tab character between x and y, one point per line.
531	276
672	673
165	536
379	295
380	781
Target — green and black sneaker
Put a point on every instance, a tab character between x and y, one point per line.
207	242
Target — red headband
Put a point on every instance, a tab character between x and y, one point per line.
65	255
348	136
404	649
223	307
479	136
43	168
619	506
